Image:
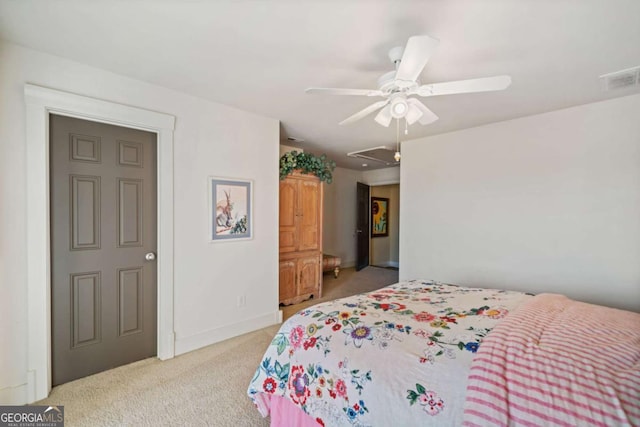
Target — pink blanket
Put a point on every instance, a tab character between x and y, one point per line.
555	361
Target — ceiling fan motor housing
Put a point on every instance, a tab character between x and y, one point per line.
395	54
386	82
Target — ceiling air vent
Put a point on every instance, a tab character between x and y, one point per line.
377	154
622	79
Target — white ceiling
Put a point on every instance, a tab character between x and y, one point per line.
259	56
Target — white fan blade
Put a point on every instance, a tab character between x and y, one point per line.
339	91
465	86
428	116
365	112
384	116
415	57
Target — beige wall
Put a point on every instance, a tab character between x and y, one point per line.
546	203
382	176
286	149
340	211
384	250
338	230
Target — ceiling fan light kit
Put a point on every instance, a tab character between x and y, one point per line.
399	106
384	117
413	114
398	86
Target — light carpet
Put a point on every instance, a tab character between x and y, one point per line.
206	387
349	282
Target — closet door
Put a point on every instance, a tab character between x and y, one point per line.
103	244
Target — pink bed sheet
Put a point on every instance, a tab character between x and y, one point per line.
283	412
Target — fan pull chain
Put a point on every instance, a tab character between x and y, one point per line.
396	156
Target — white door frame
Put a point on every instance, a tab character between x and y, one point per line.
40	102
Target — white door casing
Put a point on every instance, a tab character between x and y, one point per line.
40	102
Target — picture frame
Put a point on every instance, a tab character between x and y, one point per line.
379	217
230	209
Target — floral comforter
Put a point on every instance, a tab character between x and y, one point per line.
396	356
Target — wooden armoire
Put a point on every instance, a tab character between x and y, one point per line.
300	238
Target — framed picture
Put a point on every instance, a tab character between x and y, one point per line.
230	209
379	217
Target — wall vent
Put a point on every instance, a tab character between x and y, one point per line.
621	79
376	154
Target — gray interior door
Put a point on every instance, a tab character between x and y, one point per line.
103	229
362	226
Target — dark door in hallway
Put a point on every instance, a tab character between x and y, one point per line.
362	226
103	244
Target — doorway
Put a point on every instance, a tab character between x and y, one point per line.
362	225
385	249
40	103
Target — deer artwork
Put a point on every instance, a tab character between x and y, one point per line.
224	220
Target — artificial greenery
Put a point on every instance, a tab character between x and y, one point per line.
307	163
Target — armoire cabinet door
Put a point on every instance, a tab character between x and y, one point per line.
288	275
309	275
288	215
309	220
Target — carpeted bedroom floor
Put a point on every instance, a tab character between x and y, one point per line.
206	387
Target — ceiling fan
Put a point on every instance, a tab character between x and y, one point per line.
397	87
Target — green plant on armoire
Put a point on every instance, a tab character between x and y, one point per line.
307	163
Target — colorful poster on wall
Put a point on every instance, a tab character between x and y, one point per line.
379	217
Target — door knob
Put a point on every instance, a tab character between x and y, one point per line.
150	256
358	231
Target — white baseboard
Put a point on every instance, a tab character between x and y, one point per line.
14	395
395	264
212	336
349	264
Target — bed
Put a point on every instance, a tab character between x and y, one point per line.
427	353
